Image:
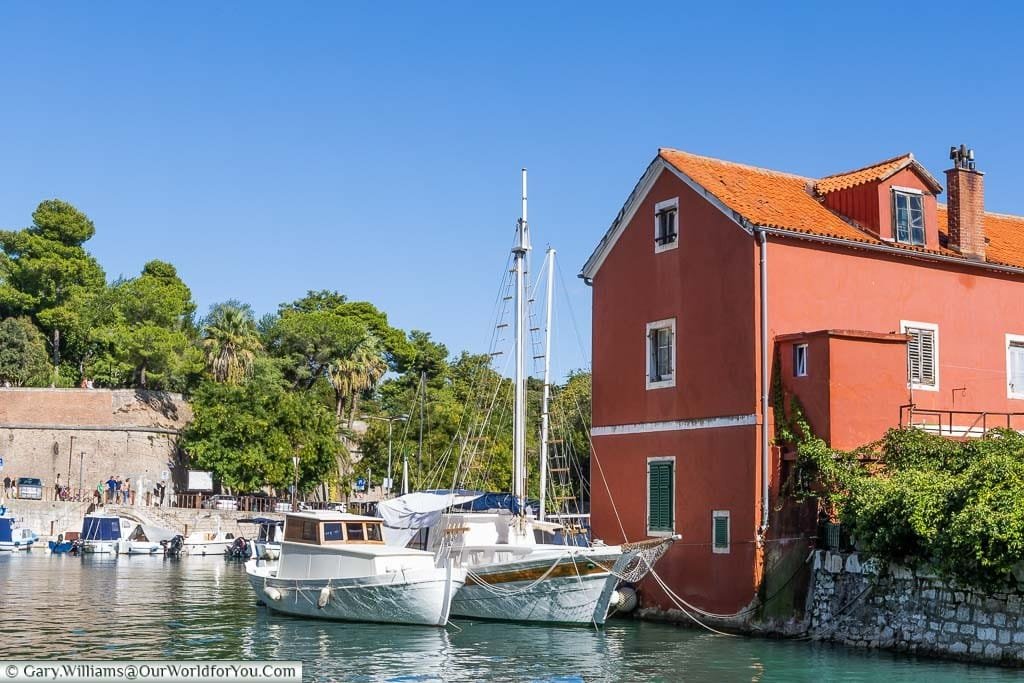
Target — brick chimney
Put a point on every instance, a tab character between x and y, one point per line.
965	188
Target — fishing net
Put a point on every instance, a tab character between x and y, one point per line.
638	558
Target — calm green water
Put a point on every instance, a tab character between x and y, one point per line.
194	608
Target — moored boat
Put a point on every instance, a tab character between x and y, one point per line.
143	540
267	541
207	543
336	566
14	535
102	533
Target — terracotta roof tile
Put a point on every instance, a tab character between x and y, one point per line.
1005	236
868	174
764	197
782	200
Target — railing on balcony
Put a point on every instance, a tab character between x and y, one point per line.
962	423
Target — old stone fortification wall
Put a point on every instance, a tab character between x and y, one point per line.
88	435
862	604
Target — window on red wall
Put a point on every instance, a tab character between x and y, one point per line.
800	360
908	217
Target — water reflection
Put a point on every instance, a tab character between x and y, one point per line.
201	607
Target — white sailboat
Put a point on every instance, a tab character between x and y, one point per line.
335	565
511	576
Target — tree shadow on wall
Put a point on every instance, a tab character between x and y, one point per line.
159	401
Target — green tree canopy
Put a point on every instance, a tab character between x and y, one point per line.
247	434
144	332
47	274
23	360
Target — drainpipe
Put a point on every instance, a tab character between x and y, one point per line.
763	242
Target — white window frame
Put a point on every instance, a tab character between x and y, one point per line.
904	324
796	354
658	208
893	191
1010	393
647	496
717	514
659	325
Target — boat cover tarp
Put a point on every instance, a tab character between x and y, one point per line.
101	528
261	521
406	515
153	534
6	525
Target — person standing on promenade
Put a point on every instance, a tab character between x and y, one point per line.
99	493
126	491
7	487
111	488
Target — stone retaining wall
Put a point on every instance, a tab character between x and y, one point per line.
863	604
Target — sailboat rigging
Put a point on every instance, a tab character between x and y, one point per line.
510	574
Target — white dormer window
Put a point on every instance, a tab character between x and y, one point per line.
666	225
908	216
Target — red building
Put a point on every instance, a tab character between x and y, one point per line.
872	302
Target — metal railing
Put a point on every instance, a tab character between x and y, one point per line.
198	501
963	423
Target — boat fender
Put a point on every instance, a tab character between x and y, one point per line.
272	593
325	597
624	599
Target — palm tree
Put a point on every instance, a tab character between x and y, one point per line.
231	342
356	373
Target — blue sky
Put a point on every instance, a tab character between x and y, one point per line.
268	149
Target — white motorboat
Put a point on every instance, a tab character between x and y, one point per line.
143	540
336	566
268	538
103	533
207	543
13	535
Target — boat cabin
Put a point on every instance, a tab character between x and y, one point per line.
345	529
337	545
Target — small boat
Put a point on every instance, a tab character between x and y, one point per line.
207	543
102	533
268	537
61	545
336	566
14	536
143	540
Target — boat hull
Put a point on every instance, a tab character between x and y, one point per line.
14	546
570	589
99	547
209	548
421	596
137	548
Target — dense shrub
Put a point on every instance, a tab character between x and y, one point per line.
957	506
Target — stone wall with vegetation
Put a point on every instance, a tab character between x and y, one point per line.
865	604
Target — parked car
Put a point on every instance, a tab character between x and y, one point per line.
283	507
221	502
30	488
337	507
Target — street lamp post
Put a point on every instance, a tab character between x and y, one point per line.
390	421
295	485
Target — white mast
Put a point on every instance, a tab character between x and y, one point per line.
519	428
547	387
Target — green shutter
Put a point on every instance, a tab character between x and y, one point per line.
659	496
721	528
